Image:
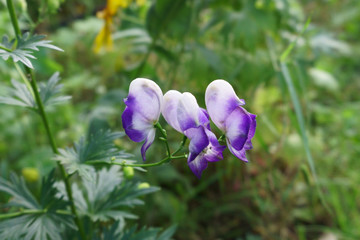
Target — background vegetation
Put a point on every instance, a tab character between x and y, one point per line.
296	64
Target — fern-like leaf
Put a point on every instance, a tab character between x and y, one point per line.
24	49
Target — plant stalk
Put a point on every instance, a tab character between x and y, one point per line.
43	115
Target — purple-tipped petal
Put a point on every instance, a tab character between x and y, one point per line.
169	111
198	165
188	112
248	144
241	154
198	141
237	128
128	124
143	108
204	118
221	100
148	141
214	149
145	97
211	153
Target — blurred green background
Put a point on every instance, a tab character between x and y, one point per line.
296	64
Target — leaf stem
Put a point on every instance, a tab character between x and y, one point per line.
30	211
43	115
5	48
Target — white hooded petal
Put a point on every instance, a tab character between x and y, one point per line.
169	110
188	111
146	97
221	100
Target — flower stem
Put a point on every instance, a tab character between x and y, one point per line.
164	135
124	164
181	145
43	115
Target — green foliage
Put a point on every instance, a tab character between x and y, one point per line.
21	95
98	147
115	232
107	196
25	47
42	218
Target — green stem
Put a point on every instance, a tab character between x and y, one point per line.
6	49
30	211
181	145
13	18
124	164
164	135
44	118
42	113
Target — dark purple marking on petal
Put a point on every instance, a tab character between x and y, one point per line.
237	128
127	121
198	141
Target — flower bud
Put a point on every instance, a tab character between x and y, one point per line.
128	172
30	174
143	185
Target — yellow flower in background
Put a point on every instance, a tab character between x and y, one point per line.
103	39
140	2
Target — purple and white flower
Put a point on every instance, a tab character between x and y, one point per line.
225	110
183	113
142	112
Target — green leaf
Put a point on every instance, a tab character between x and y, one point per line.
98	147
108	196
36	219
25	47
20	95
21	196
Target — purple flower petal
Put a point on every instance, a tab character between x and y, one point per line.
248	144
127	119
148	141
204	118
241	154
198	141
214	150
221	100
198	165
146	98
169	111
143	108
237	128
211	153
188	112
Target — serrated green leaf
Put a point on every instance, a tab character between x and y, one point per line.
25	47
98	147
21	196
20	95
36	219
107	197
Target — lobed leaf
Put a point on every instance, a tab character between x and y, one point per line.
24	49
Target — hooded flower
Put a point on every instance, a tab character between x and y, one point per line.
183	113
225	110
143	108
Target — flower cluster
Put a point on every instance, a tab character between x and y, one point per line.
146	102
